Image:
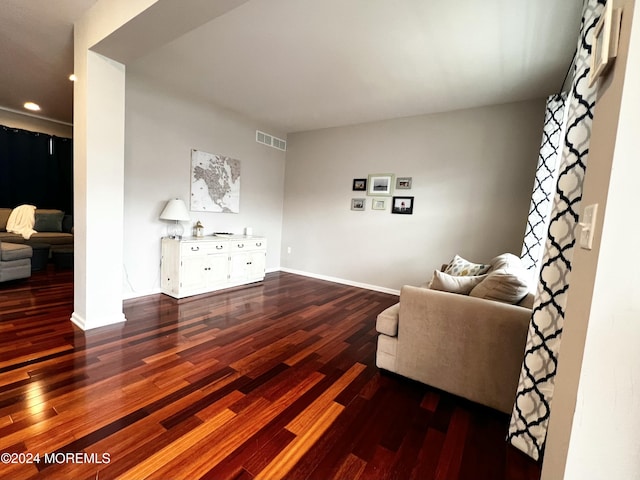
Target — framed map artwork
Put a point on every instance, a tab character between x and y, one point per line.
215	183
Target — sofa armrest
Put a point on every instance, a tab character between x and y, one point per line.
464	345
387	321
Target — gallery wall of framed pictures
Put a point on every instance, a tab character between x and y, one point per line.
380	187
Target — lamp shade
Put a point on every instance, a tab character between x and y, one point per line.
175	210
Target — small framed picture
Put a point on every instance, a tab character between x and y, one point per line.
380	184
357	203
403	183
379	204
360	184
402	205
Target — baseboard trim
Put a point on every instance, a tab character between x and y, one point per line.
342	281
80	322
132	295
77	320
376	288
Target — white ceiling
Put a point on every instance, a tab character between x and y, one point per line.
36	54
305	64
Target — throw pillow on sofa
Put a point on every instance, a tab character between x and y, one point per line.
507	280
48	220
461	267
454	283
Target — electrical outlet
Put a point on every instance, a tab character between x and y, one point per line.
288	249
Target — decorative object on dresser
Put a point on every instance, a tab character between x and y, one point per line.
198	230
191	266
176	211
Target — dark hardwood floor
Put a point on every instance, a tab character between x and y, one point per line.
270	381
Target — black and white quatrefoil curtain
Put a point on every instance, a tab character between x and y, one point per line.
544	186
530	417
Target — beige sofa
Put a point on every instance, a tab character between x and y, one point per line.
471	347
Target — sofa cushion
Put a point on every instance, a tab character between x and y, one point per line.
506	260
454	284
507	281
387	345
14	251
48	220
527	301
387	321
53	238
67	224
4	216
461	267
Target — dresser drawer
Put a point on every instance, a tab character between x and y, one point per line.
248	244
215	247
188	249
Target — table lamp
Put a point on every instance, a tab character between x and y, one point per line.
177	211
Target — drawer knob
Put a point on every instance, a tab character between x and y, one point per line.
195	249
241	245
259	244
219	247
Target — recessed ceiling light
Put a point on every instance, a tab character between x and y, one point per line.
32	106
73	77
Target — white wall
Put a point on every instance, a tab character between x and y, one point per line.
33	124
161	129
472	175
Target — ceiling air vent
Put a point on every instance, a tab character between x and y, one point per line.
279	144
271	141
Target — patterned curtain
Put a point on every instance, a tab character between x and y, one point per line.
530	417
544	186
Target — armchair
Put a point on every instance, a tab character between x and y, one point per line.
468	346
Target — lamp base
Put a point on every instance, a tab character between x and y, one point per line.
175	230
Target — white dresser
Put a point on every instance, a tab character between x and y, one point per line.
191	265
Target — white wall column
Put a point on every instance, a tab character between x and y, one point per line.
99	197
98	162
122	30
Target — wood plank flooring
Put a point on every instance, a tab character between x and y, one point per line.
276	380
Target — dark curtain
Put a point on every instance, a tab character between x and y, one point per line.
36	169
63	151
